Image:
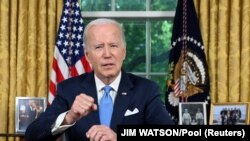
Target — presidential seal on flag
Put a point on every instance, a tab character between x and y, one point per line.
189	76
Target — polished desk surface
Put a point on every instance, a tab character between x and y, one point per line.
11	135
7	135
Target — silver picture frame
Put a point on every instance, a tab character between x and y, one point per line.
227	113
192	113
27	110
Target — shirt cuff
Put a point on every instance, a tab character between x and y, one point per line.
57	128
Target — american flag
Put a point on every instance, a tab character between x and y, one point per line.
69	59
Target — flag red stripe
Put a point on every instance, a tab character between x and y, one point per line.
52	88
85	63
59	75
73	71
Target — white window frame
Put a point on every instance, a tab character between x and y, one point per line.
129	14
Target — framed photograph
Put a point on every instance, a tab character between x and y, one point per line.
192	113
229	114
27	110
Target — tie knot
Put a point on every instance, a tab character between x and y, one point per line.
107	89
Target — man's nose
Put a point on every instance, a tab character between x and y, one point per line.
107	51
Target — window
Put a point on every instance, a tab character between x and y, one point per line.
148	30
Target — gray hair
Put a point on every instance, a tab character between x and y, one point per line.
102	21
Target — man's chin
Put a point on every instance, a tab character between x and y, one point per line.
110	74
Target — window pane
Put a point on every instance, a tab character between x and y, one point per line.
161	32
95	5
135	38
130	5
161	81
163	5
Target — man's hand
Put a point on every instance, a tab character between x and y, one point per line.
101	133
81	107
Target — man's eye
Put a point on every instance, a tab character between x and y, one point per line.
97	47
113	45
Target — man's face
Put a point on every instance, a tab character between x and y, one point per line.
32	103
105	51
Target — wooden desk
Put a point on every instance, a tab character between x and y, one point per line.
12	135
21	136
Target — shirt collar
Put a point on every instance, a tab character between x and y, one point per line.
114	84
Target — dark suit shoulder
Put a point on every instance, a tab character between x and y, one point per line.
75	80
136	79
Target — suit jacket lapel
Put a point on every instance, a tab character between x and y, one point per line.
89	88
121	101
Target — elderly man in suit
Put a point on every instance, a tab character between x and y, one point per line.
78	107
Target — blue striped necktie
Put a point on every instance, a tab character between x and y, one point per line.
106	107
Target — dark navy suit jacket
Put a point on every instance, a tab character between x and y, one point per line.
141	93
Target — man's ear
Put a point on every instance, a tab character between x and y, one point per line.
124	53
86	54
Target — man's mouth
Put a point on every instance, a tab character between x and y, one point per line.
108	65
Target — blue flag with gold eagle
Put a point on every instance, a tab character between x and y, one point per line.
188	79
